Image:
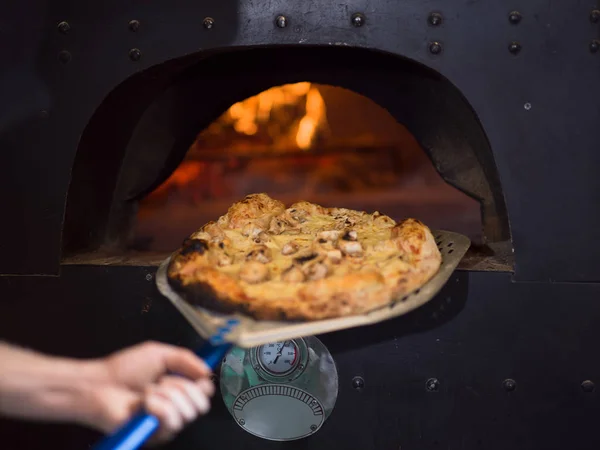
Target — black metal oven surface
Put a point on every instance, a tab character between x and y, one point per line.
100	100
487	364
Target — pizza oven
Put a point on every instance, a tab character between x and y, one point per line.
127	126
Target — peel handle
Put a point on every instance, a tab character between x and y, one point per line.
134	433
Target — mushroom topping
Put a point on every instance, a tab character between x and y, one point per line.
254	272
316	271
277	226
214	230
261	254
293	275
350	235
351	248
335	256
251	230
329	235
290	248
222	260
262	237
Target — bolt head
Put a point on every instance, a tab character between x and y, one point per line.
515	17
64	27
435	48
432	385
594	46
509	385
588	386
514	47
242	422
595	16
434	19
358	382
358	20
134	25
135	54
64	56
313	427
208	23
281	21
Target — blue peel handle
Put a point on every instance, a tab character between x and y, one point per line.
134	433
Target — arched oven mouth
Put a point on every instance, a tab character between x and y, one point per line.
342	127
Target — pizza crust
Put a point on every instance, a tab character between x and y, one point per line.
305	262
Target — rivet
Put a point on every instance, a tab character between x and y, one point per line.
281	21
435	48
64	56
514	17
514	47
527	106
135	54
242	422
208	23
588	386
358	19
432	384
134	25
313	427
358	382
435	19
509	384
595	16
148	277
594	46
64	27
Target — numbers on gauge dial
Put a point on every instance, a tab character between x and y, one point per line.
279	358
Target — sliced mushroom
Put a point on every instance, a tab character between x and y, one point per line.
316	271
251	230
277	226
351	248
329	235
290	248
350	235
261	254
335	256
262	238
254	272
293	275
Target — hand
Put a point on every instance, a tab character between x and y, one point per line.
138	378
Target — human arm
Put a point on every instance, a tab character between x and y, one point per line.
104	393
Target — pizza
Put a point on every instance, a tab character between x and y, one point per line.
305	262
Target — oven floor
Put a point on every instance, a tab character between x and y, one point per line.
483	328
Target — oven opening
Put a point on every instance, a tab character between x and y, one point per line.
302	141
172	147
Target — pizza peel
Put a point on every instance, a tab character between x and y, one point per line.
248	332
223	331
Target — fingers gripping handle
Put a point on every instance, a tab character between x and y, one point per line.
134	433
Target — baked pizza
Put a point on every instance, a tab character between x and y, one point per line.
305	262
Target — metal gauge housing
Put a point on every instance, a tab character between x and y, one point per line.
280	361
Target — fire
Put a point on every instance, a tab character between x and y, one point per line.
274	105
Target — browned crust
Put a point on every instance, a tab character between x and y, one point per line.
194	275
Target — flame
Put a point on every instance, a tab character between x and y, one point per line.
249	115
187	172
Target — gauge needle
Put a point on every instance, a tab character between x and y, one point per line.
278	354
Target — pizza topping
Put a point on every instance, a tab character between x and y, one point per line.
194	246
262	238
293	274
221	259
254	272
289	249
329	235
305	258
316	271
214	230
351	248
335	256
350	235
251	230
261	254
277	226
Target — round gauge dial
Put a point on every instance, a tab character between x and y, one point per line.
279	358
